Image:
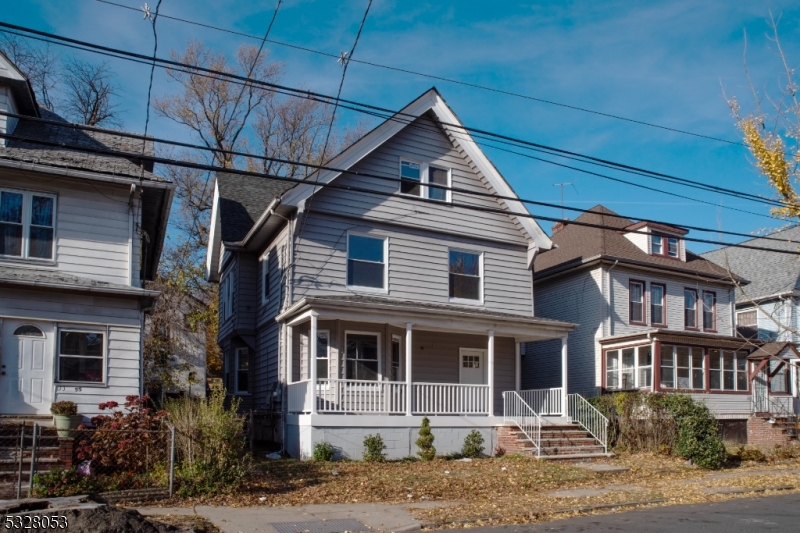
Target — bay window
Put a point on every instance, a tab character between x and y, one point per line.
657	316
366	261
27	225
690	309
636	302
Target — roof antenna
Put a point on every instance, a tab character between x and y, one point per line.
562	185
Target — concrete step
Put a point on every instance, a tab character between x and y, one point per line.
572	450
576	456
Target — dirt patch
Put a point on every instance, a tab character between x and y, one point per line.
113	520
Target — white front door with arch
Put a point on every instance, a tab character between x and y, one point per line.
472	366
26	367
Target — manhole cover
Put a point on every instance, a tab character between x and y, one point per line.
320	526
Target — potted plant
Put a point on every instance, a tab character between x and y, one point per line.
66	418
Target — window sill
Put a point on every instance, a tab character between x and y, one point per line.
465	301
637	323
27	261
370	290
90	384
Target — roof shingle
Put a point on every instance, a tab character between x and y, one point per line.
242	199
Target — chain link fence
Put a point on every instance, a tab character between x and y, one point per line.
37	461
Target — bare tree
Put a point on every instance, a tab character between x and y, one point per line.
39	64
89	93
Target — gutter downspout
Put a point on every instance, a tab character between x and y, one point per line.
611	299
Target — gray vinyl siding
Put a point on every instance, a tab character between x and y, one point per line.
577	298
675	286
69	307
777	320
93	226
726	405
228	323
418	264
424	144
247	297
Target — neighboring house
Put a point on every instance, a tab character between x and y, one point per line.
653	315
79	234
360	313
768	310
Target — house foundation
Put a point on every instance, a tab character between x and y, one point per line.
760	432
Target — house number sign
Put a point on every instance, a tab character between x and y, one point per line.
74	389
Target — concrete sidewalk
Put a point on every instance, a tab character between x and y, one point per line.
311	518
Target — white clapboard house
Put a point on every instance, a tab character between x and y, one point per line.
79	234
355	313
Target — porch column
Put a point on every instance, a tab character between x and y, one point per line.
518	367
564	410
490	372
289	355
312	368
409	388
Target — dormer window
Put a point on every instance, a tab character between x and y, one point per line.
663	245
425	181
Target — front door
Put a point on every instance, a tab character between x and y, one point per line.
761	392
472	369
26	368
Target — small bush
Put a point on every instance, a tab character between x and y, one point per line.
473	445
323	451
65	408
785	451
374	449
58	483
499	451
425	441
748	453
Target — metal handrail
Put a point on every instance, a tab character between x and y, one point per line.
592	420
526	419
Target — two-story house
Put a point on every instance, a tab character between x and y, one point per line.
652	316
393	285
79	233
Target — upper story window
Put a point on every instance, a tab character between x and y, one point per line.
265	279
226	296
663	245
747	323
366	262
27	225
416	180
709	311
657	304
465	275
636	302
690	309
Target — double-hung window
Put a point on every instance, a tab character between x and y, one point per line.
27	225
361	356
673	248
465	275
629	368
657	315
709	311
80	356
242	367
323	354
424	180
667	246
636	302
657	245
366	261
727	370
690	309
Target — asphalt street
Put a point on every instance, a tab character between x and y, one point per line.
771	513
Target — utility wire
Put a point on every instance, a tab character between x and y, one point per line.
212	168
447	80
371	109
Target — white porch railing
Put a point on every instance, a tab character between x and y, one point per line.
544	401
450	399
361	396
589	417
516	410
299	397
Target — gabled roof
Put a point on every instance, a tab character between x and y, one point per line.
770	274
24	97
242	200
784	350
430	101
579	245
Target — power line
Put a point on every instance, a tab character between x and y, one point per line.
343	171
448	80
395	116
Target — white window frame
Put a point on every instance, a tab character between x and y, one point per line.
424	179
743	311
78	329
265	281
636	368
737	355
467	301
674	367
399	340
344	357
677	247
361	288
27	206
652	244
326	356
236	354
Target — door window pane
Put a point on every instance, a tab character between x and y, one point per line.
362	357
437	176
465	275
410	178
365	261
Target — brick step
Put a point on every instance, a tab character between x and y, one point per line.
583	441
572	450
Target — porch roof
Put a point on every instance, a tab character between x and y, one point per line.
710	340
784	350
50	279
426	316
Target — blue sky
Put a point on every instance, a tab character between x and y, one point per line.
661	62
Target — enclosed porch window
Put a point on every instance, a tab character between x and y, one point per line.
629	368
361	356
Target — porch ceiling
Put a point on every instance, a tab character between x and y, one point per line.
425	316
